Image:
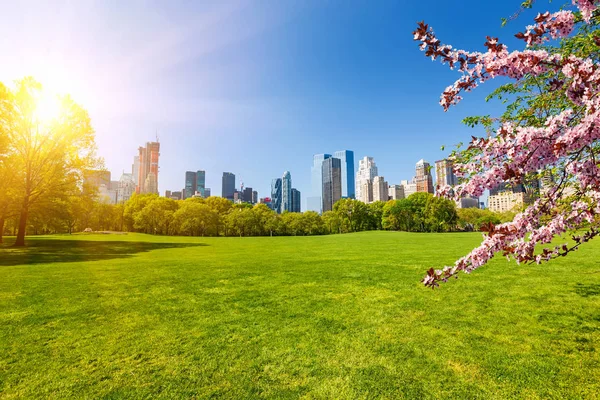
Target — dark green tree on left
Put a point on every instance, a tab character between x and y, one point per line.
47	144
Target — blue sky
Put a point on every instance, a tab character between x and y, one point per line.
255	87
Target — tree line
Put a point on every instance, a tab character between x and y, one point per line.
216	216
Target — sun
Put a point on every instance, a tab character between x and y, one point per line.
48	108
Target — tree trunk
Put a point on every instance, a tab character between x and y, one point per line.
23	223
1	228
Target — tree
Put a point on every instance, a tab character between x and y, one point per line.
351	212
551	127
156	216
440	214
375	212
331	221
399	215
50	150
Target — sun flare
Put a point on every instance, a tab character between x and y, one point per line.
47	108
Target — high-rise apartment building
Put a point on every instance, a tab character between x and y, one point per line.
348	181
276	195
190	184
444	175
367	170
148	168
332	182
396	192
424	180
380	189
228	185
315	201
366	191
247	195
409	187
296	205
286	192
206	193
254	197
201	183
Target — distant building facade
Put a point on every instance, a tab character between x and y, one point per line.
348	180
396	192
228	185
148	168
190	184
423	177
380	189
332	182
367	171
409	187
276	195
286	192
315	201
296	201
444	174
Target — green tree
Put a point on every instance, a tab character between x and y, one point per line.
352	213
50	151
440	214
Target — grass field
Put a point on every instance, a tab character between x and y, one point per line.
344	316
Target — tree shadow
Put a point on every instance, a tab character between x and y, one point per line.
587	290
47	251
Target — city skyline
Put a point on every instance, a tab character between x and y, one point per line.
255	101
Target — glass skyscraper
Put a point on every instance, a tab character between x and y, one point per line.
332	182
201	182
190	184
276	195
347	159
286	192
228	185
315	200
296	206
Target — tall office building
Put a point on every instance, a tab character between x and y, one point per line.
348	182
380	189
148	168
206	193
135	169
201	183
190	184
315	201
295	200
228	185
424	180
276	195
332	182
254	197
444	175
247	195
286	192
367	170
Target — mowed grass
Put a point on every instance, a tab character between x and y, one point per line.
344	316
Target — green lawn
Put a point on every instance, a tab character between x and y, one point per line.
341	316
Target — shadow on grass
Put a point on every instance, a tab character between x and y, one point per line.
587	290
47	251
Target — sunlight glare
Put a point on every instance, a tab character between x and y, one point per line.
48	108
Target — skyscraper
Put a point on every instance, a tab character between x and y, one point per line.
148	168
286	192
367	170
315	201
332	182
366	191
295	200
380	189
200	182
125	188
276	195
347	159
444	175
228	185
135	169
190	184
424	180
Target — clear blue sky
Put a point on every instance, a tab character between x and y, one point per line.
255	87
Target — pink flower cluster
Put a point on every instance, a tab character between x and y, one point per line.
587	8
548	26
566	141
